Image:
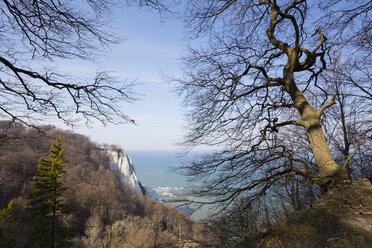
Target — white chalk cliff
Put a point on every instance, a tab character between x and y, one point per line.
122	166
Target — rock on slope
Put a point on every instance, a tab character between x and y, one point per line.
341	218
122	166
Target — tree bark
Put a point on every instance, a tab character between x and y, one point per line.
329	172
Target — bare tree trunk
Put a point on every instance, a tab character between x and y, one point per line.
329	172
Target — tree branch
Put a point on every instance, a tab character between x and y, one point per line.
346	164
320	111
271	29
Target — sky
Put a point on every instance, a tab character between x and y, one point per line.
151	48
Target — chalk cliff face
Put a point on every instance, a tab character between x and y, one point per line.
122	166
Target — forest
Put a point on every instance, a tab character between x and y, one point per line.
279	91
102	211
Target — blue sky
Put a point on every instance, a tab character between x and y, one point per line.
151	48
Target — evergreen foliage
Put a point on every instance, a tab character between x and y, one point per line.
46	205
7	225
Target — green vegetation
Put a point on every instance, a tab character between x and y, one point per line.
46	204
7	227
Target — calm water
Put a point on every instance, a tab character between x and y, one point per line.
155	168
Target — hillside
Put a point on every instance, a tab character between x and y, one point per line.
107	213
104	211
341	218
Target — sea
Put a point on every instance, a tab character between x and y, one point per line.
157	172
156	169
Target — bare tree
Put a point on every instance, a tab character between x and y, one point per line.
347	125
261	76
34	34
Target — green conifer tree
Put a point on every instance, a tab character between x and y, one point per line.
7	227
45	205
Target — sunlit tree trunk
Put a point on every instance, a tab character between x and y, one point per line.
328	169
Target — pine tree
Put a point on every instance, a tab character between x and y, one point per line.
7	227
45	205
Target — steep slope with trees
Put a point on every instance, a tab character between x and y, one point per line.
104	212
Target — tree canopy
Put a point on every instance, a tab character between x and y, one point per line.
262	89
36	34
